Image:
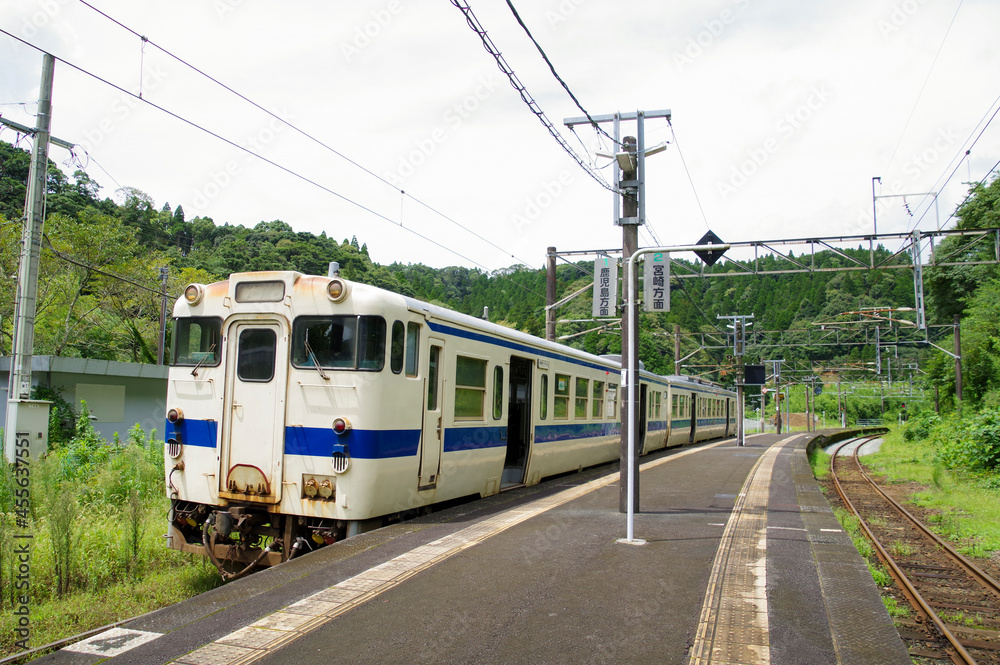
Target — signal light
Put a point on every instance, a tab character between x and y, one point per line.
341	425
174	416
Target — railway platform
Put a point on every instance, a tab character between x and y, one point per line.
742	562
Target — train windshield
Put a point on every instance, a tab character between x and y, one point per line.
339	342
196	341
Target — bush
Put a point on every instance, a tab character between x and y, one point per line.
973	444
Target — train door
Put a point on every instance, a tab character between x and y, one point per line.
694	417
728	421
432	436
254	412
519	434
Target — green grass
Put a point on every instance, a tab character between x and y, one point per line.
893	608
968	503
819	460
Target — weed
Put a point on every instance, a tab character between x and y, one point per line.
894	608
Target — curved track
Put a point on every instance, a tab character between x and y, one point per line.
944	588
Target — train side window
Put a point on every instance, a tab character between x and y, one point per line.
412	345
611	406
397	348
196	341
433	365
371	343
560	409
598	394
543	404
470	388
582	388
255	361
497	392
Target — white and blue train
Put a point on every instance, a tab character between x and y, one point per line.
304	409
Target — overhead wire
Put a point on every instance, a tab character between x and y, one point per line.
961	156
701	208
231	143
145	40
923	86
476	26
558	78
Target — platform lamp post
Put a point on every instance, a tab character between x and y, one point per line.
630	370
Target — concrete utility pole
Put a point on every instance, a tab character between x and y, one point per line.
630	165
550	294
740	324
958	363
24	416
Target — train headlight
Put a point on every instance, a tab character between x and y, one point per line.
341	426
174	416
194	293
337	289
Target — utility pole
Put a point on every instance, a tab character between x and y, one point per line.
740	324
958	363
677	348
630	166
160	348
27	420
550	294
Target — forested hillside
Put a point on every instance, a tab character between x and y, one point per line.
101	260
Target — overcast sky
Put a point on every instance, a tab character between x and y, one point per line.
783	111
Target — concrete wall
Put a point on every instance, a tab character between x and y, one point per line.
118	395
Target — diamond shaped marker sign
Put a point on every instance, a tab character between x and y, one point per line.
710	256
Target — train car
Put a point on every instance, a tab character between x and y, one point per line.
304	409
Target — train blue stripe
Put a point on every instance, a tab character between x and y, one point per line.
474	438
571	431
515	346
361	444
200	433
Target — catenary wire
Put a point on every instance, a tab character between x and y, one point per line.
552	68
300	131
233	144
526	97
268	161
694	189
939	185
916	102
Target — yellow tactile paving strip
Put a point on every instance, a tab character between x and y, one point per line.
733	627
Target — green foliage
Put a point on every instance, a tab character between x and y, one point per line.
62	418
974	444
98	508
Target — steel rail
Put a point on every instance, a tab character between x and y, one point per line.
959	656
972	569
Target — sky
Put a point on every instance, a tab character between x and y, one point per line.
388	120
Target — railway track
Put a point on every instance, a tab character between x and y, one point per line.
955	605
